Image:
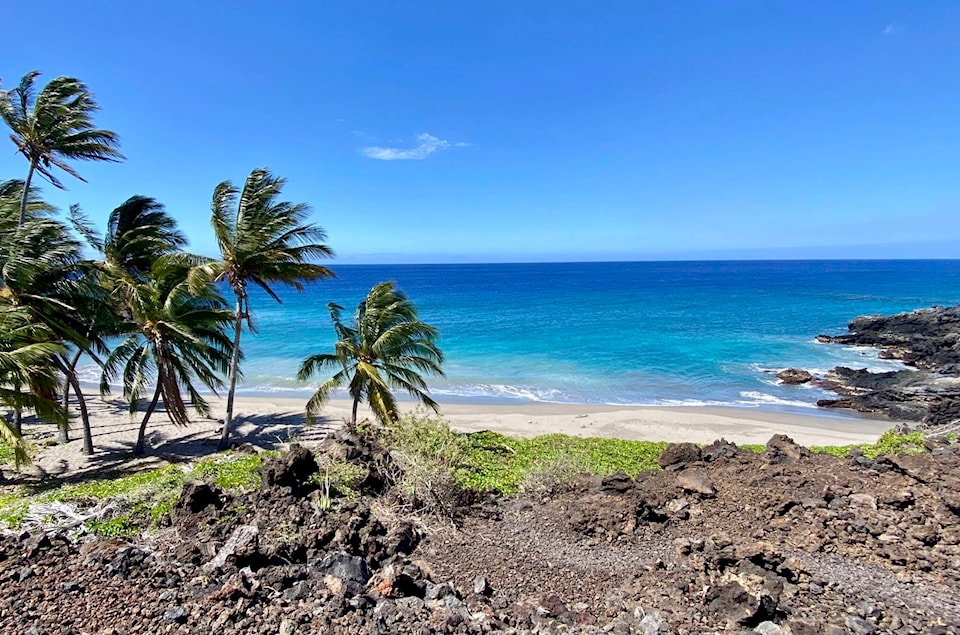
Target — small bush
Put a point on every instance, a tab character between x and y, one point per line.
893	442
232	471
344	477
424	455
551	477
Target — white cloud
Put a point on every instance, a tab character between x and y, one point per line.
891	29
427	144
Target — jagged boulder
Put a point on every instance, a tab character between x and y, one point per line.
677	456
794	376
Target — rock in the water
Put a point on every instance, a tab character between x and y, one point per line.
926	339
794	376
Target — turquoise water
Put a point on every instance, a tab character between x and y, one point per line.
648	333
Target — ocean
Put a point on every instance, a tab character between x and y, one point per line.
637	333
631	333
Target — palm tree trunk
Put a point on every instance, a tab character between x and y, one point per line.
84	414
138	450
82	403
65	428
356	403
17	413
25	195
234	364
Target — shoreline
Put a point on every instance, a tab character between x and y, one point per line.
270	422
698	424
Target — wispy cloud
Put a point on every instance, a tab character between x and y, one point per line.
890	29
427	144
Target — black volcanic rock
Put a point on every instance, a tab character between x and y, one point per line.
926	339
794	376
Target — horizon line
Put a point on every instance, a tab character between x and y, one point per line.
639	260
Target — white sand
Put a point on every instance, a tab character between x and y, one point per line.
268	422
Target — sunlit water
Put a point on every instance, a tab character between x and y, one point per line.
650	333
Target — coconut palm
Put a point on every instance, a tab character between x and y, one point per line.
387	348
11	195
265	242
26	351
179	339
41	273
139	232
54	126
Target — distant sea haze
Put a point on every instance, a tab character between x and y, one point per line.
639	333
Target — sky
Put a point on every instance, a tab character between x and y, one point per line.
526	131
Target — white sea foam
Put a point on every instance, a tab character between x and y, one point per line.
755	398
505	391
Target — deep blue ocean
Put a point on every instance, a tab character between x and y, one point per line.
648	333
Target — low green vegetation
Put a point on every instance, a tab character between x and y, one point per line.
489	461
142	498
8	453
342	478
505	464
430	464
890	442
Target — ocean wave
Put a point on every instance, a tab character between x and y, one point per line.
505	391
756	398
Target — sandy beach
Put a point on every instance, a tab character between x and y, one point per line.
269	422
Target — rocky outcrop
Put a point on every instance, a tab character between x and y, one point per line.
794	376
929	341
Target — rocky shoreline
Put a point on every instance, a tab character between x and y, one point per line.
926	394
720	540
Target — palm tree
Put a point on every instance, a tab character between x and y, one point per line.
386	349
263	241
53	127
139	232
41	273
26	351
179	338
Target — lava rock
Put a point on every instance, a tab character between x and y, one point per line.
678	455
794	376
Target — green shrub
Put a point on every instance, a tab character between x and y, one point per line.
892	442
424	456
343	477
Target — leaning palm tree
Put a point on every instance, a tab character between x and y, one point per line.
53	127
41	272
386	349
26	351
263	241
179	338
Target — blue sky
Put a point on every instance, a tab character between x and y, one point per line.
492	131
